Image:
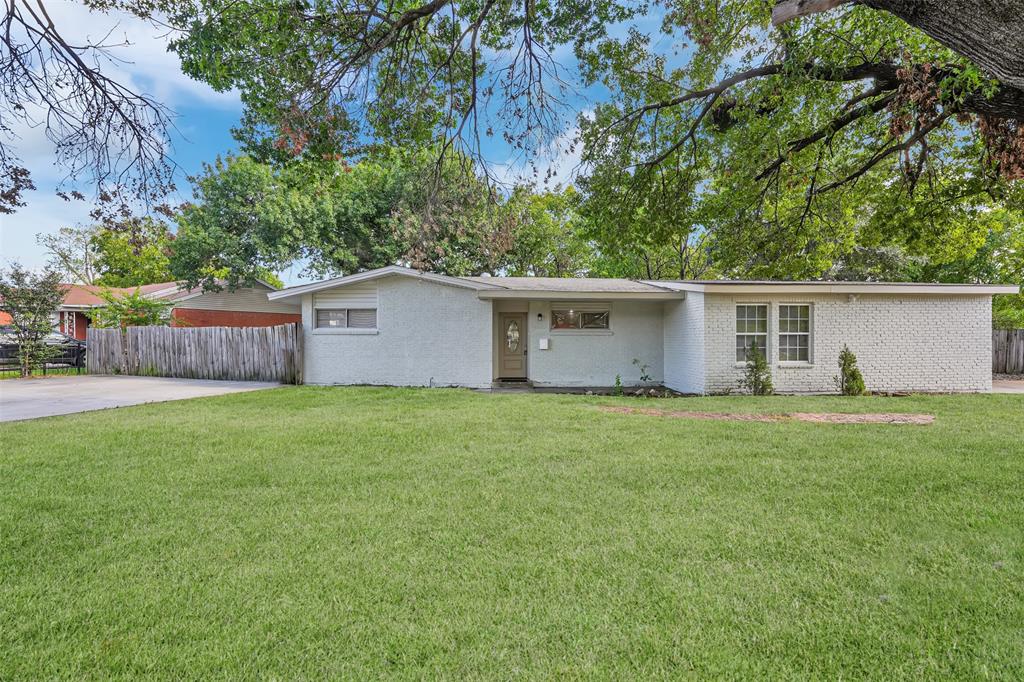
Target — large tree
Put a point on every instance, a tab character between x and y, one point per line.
249	217
123	253
777	146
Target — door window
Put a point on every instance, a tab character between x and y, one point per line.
512	336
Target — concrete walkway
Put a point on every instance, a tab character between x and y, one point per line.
48	396
1008	385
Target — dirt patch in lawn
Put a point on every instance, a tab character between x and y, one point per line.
816	417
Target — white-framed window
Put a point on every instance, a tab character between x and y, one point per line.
568	318
346	318
751	330
794	332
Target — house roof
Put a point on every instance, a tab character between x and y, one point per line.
570	284
835	287
571	288
87	295
370	275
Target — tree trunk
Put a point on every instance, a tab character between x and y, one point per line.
988	32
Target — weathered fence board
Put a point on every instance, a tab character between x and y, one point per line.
1008	351
228	353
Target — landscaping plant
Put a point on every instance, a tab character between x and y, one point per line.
850	381
757	377
32	300
645	375
129	310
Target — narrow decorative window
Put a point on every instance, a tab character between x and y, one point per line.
350	319
575	319
794	333
751	330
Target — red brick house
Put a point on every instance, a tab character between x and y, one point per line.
244	307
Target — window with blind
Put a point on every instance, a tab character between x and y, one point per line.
794	333
346	318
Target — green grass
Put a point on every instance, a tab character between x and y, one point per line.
363	533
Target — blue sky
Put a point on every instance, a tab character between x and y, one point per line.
204	118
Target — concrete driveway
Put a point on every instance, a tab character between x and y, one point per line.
48	396
1008	386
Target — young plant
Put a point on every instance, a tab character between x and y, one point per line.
757	377
850	381
645	377
617	389
32	301
130	310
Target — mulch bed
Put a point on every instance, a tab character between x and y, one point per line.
815	417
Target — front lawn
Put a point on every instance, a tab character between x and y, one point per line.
364	533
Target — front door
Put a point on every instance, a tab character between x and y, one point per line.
512	357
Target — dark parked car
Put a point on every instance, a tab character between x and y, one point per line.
70	352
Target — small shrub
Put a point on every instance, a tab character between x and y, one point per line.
644	369
617	389
850	381
757	377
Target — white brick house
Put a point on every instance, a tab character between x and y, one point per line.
401	327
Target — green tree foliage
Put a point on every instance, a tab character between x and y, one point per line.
121	311
249	217
133	252
850	381
551	237
775	150
32	300
127	252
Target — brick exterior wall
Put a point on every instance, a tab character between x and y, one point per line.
912	342
684	344
427	333
189	317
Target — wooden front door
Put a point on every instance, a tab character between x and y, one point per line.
512	340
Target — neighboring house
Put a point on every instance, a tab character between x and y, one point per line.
395	326
243	307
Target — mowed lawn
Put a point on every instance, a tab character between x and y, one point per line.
364	533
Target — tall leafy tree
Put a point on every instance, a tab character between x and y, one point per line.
127	252
72	251
132	252
551	238
249	217
772	147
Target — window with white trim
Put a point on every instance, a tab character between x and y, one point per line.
579	319
346	318
794	333
751	330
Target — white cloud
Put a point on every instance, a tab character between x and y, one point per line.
559	163
142	63
141	48
44	214
138	59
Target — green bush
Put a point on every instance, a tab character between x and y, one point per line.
757	377
850	381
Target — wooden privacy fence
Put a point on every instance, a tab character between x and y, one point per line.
227	353
1008	351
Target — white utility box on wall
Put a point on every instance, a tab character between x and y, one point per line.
542	343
